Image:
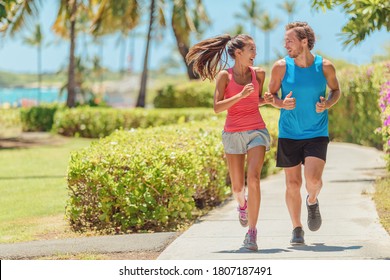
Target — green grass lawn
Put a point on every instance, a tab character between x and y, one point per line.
33	190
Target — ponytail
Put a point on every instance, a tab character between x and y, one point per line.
207	55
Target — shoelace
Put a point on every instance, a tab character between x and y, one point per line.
312	211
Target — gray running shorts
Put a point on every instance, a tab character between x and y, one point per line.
241	142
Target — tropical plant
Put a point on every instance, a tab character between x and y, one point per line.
36	39
253	13
15	13
290	7
144	77
184	22
364	17
267	25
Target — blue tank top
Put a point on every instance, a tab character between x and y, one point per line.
307	85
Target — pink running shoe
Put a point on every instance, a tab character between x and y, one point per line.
250	241
243	215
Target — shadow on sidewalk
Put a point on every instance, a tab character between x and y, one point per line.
246	251
315	247
321	247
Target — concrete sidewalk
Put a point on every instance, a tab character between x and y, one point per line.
350	228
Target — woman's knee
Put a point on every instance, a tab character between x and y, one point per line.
237	187
253	179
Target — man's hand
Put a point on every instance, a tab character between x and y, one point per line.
321	106
289	102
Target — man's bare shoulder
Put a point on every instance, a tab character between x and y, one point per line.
327	65
279	67
279	64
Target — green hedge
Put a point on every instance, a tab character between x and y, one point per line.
190	94
10	124
92	122
356	116
9	118
151	179
39	118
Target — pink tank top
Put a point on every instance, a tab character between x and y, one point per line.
245	114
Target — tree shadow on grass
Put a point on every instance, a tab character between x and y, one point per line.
33	177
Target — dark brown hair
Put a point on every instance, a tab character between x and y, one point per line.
303	31
207	55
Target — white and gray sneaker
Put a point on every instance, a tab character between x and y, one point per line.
314	219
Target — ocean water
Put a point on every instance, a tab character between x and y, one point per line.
20	97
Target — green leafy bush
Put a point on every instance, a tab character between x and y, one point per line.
9	118
356	116
190	94
99	122
384	104
144	179
38	118
151	179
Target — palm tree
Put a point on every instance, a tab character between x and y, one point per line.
36	39
17	13
116	15
65	26
183	24
290	7
267	25
144	76
253	13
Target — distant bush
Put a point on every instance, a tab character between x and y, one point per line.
9	118
10	123
99	122
190	94
38	118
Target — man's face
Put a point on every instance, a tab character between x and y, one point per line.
292	44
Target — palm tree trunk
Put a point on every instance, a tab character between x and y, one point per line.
183	50
71	99
39	72
144	77
267	48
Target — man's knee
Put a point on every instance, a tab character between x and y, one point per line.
293	184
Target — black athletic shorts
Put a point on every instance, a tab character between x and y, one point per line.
293	152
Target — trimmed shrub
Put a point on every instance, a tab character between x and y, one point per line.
39	118
9	118
150	179
145	179
190	94
99	122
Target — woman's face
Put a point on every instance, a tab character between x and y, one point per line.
248	53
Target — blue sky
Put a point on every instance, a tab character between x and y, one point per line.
16	57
